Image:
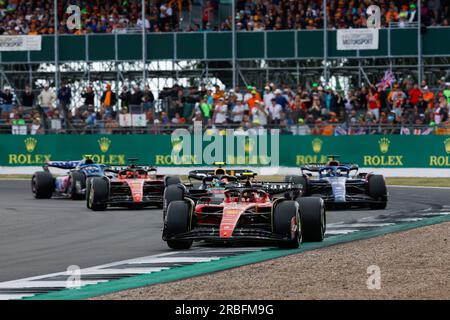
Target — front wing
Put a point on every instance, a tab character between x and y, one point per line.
355	194
239	234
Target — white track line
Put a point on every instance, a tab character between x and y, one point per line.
45	284
14	296
361	225
340	231
418	187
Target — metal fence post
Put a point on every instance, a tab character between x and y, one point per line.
325	42
56	44
144	46
233	37
419	43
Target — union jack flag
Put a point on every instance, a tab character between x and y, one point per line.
387	81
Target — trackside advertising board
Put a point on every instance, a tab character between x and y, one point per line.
289	151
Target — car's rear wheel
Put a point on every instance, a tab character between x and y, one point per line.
88	190
172	193
377	189
287	223
42	185
301	180
77	184
313	216
171	180
178	221
98	195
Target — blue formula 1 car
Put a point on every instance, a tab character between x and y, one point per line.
45	185
341	186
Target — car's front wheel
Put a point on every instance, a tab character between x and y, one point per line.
98	195
377	189
172	193
313	216
287	223
178	221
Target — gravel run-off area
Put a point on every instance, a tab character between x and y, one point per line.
413	265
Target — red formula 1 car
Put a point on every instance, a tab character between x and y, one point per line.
132	187
245	214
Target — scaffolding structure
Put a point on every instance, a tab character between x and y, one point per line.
295	57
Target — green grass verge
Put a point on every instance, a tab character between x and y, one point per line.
423	182
14	176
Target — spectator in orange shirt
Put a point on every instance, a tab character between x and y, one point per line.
328	129
428	97
218	93
392	14
33	31
253	100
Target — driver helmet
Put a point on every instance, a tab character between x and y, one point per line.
130	174
333	163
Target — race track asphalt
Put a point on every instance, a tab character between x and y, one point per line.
45	236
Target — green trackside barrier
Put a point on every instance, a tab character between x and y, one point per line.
367	151
283	44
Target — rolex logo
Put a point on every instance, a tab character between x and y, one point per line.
447	145
384	145
30	144
104	144
317	145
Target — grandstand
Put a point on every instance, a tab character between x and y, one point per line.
261	63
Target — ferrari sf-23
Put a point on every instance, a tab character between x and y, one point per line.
233	210
132	187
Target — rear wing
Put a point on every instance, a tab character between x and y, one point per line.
62	164
117	169
274	188
315	167
201	174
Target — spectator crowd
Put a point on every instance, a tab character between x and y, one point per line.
35	17
309	14
402	108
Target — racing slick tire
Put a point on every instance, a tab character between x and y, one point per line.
88	189
178	220
42	185
313	216
283	214
377	190
172	193
298	180
80	179
98	195
170	180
